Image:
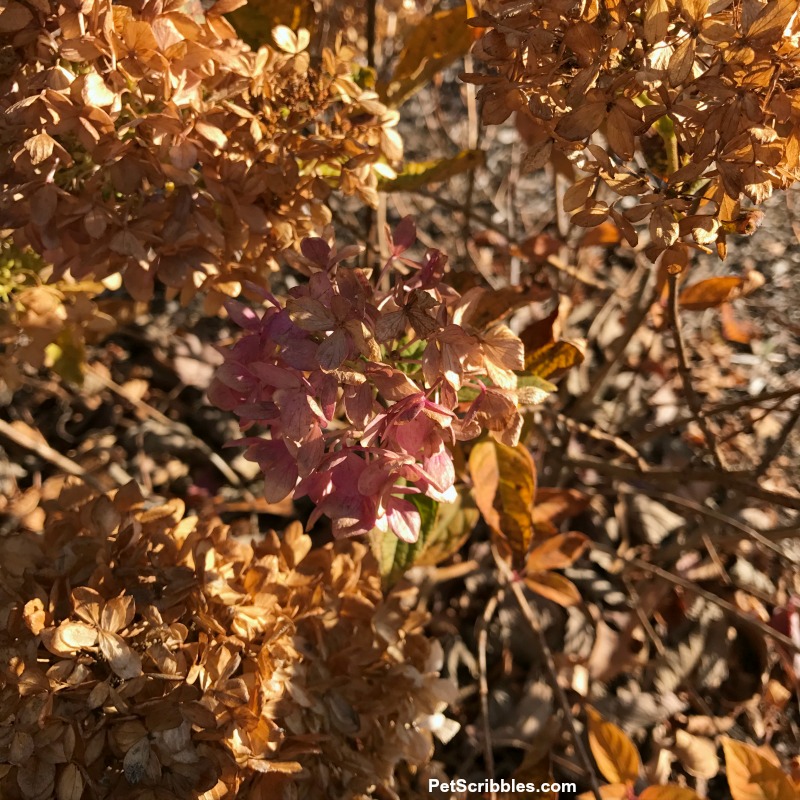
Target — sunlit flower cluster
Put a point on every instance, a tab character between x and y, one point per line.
362	382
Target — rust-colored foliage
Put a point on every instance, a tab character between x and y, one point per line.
146	654
674	110
140	140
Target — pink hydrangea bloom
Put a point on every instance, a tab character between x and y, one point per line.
349	391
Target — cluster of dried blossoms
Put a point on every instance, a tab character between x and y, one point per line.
150	655
715	85
137	139
364	387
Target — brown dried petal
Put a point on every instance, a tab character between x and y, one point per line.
664	227
124	661
583	121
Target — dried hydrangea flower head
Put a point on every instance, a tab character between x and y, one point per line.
142	141
675	111
148	655
361	382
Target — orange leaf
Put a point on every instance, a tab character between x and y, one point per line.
504	487
437	41
752	776
557	552
711	292
602	236
553	506
668	793
615	754
554	587
733	329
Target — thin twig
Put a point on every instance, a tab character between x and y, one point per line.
710	596
721	408
511	214
46	453
483	634
775	446
533	620
473	139
371	28
695	405
741	480
602	436
637	315
767	539
183	429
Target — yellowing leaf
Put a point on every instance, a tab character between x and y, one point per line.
615	754
751	776
416	174
554	359
433	44
504	488
668	793
533	390
67	355
451	527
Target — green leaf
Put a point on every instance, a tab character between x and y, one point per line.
532	389
443	529
67	356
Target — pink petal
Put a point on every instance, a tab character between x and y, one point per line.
404	520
